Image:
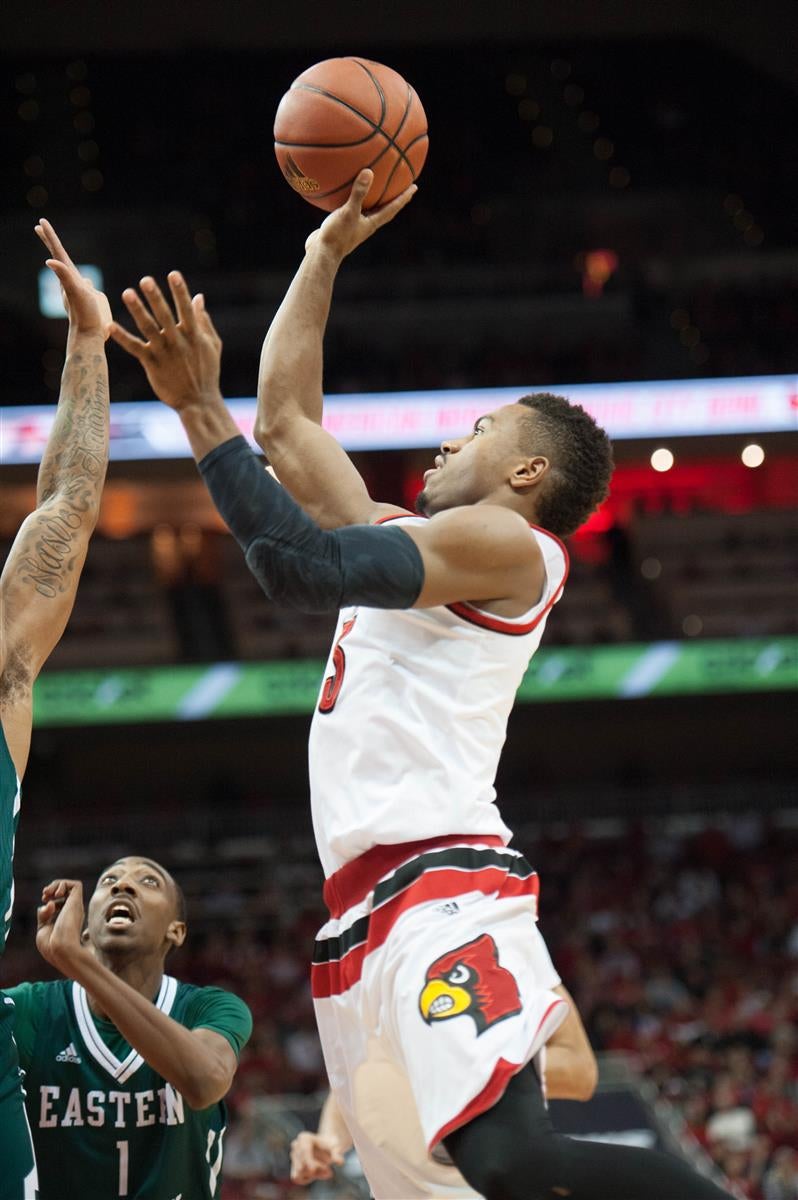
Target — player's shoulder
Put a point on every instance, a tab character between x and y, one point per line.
216	1009
502	529
34	1000
193	999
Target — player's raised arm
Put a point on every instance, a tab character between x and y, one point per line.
41	573
309	461
477	552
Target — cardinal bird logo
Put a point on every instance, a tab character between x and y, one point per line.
470	980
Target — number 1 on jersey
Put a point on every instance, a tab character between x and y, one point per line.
333	683
122	1147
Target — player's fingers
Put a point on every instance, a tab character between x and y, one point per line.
126	340
46	912
198	304
67	886
145	321
182	299
64	274
158	304
381	216
53	242
360	189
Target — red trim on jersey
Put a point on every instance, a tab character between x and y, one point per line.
335	977
476	616
394	516
354	880
492	1091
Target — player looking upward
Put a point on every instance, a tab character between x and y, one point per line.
37	592
126	1068
432	986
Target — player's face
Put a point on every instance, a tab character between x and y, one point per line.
133	908
479	466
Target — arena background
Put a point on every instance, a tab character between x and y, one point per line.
609	197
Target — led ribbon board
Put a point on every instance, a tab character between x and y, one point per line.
262	689
407	420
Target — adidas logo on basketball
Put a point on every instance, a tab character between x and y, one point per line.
69	1055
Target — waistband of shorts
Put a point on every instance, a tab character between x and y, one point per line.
354	880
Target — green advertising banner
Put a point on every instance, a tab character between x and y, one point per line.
223	690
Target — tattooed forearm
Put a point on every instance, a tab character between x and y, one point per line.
76	456
48	560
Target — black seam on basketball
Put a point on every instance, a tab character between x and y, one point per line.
325	145
391	136
320	91
378	88
401	157
349	182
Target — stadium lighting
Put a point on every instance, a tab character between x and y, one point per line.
662	459
753	455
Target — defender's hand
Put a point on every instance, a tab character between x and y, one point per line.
88	310
313	1156
348	226
180	353
60	924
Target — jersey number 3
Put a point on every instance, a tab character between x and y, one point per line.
333	683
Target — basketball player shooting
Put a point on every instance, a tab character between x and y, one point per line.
433	988
37	591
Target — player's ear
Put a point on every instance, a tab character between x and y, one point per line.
529	472
176	934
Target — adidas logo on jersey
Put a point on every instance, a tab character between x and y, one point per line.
69	1055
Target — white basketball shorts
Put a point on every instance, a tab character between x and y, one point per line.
432	987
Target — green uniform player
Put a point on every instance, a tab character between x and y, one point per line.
37	591
125	1067
99	1112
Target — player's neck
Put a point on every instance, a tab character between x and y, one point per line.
143	974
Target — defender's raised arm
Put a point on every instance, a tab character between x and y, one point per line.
40	578
309	462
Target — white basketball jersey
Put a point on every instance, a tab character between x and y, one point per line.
412	717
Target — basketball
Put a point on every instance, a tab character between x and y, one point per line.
342	115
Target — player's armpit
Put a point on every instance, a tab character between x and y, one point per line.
482	553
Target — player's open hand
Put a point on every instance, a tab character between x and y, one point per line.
60	924
348	226
180	350
88	310
313	1156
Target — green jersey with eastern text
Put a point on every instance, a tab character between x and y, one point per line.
105	1124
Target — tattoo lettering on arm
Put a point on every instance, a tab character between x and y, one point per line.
41	575
70	480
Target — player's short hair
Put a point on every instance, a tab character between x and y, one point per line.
580	457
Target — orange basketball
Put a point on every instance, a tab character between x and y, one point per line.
345	114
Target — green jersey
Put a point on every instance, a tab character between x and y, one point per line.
9	816
105	1124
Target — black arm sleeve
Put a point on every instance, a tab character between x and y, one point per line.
296	563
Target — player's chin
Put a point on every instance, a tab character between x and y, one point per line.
427	503
107	938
